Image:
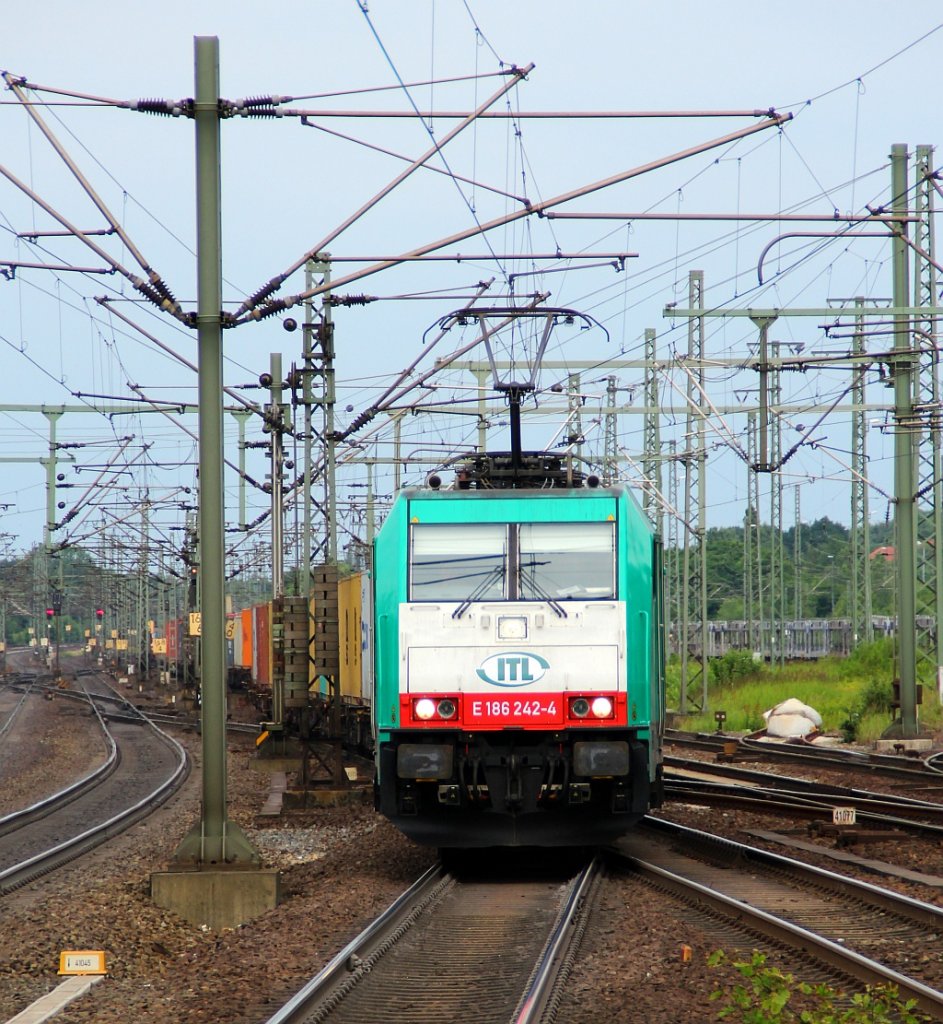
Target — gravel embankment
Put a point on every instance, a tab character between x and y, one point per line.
339	868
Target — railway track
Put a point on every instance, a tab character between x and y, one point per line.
507	949
726	786
142	767
858	930
748	747
453	943
16	691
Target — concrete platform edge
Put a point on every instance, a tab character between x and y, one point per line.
52	1002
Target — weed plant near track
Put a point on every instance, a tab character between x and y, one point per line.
853	694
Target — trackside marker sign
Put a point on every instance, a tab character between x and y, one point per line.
82	961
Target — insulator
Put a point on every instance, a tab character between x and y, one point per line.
151	293
259	101
161	287
271	308
362	420
164	108
261	112
264	292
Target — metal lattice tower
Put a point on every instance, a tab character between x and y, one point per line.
755	540
610	459
651	441
318	392
861	608
694	572
672	550
574	433
749	521
797	556
927	409
764	460
906	434
142	645
777	581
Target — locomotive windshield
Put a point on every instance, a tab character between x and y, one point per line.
511	561
568	561
449	562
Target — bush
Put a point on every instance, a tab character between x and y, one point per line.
732	666
769	993
850	726
875	659
875	698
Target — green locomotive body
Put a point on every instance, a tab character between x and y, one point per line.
519	665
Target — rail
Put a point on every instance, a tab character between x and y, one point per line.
715	893
32	867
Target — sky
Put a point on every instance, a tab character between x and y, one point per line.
856	78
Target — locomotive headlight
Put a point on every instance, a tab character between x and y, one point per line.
602	707
424	709
579	708
446	708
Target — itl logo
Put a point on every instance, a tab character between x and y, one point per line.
512	668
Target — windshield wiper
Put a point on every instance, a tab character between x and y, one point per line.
495	573
544	596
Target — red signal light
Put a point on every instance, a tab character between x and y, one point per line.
50	612
100	612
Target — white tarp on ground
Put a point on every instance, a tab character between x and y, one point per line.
792	718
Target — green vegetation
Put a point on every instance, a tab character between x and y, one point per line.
853	695
821	558
27	584
771	996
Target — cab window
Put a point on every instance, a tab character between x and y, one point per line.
458	562
566	561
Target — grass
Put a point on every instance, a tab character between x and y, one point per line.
851	694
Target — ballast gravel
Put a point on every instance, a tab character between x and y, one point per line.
339	867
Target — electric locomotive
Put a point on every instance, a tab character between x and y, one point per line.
519	660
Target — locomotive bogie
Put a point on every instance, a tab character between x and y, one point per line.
544	789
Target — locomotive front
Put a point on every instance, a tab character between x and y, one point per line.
518	666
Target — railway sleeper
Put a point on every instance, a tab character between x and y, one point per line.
850	835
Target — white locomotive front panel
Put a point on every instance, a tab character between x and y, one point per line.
500	666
